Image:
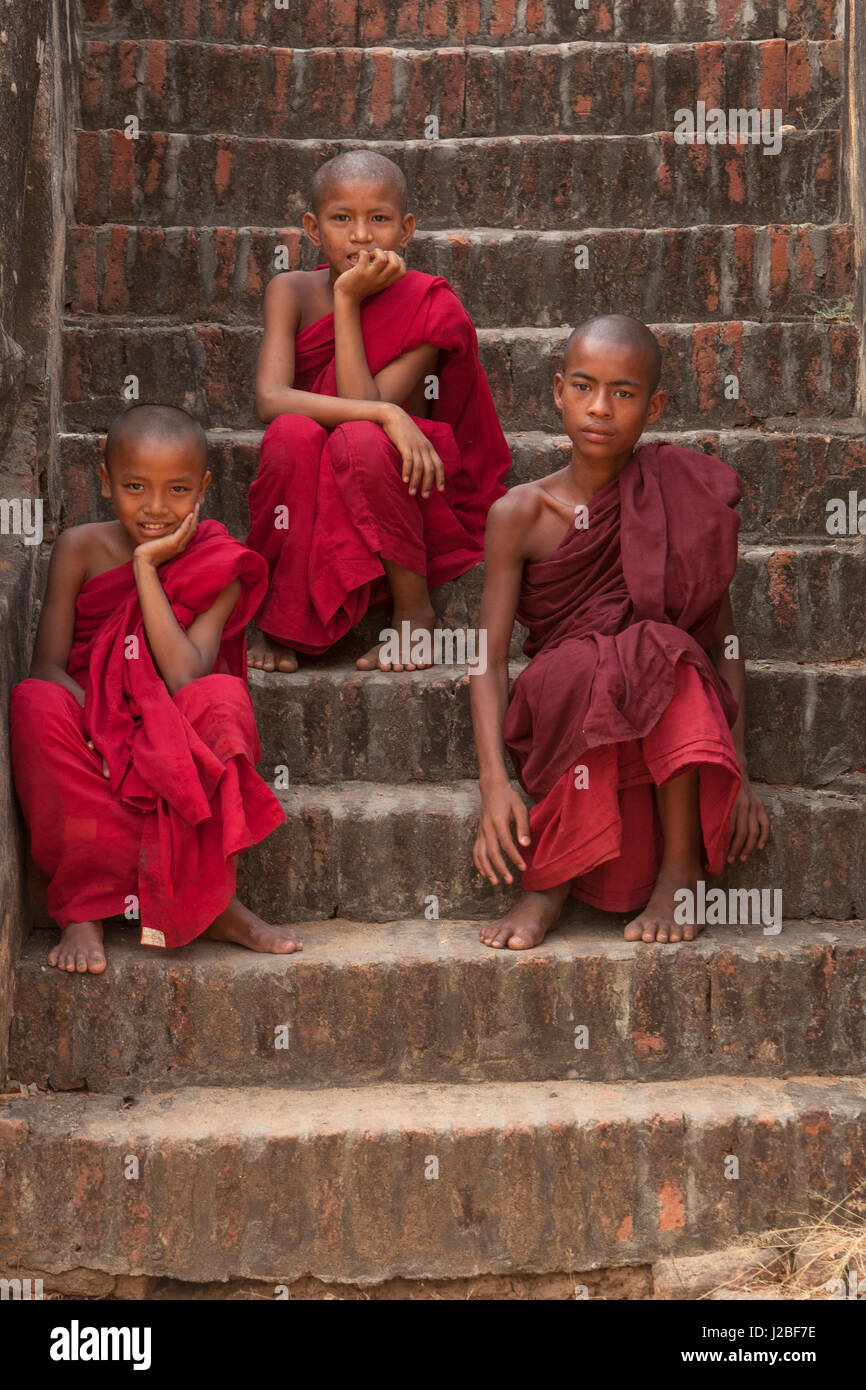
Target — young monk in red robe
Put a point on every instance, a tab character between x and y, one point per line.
626	727
133	741
384	452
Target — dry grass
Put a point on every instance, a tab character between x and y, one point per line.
818	1251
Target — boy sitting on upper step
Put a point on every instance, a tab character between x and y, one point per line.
133	741
626	727
384	452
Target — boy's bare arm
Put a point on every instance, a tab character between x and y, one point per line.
732	669
56	630
395	382
508	523
750	826
275	394
180	657
275	374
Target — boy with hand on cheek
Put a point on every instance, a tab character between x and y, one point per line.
133	741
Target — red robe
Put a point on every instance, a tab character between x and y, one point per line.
620	683
347	503
156	839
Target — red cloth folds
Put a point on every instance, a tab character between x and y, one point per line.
612	616
183	796
347	503
579	833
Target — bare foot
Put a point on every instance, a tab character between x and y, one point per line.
240	925
80	949
656	922
527	923
264	654
422	620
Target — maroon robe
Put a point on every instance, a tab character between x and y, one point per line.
620	682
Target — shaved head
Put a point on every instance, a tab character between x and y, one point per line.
364	166
621	330
156	425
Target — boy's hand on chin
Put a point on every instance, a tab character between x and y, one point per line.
163	548
375	271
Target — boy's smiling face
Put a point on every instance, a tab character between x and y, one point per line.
606	396
154	485
358	215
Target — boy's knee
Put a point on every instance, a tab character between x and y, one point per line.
363	434
41	705
216	689
294	430
367	446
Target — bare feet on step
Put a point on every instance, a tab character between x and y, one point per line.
526	923
80	949
656	922
378	658
243	927
264	654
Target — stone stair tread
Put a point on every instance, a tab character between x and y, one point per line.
478	232
264	1168
493	21
339	671
789	368
258	1182
541	46
417	941
358	796
417	1000
551	337
477	89
710	274
386	847
166	177
315	142
200	1112
795	426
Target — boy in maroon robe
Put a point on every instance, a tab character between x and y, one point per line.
133	741
626	727
383	453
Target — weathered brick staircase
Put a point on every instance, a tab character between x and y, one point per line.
406	1040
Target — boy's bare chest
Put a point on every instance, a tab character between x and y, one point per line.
316	298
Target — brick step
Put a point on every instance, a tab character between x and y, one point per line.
329	722
549	182
796	600
787	477
340	1184
376	852
505	278
339	23
425	1001
581	88
792	369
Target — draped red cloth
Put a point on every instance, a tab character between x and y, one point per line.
620	682
347	503
182	797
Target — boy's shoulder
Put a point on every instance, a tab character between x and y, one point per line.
89	538
79	552
295	293
519	507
